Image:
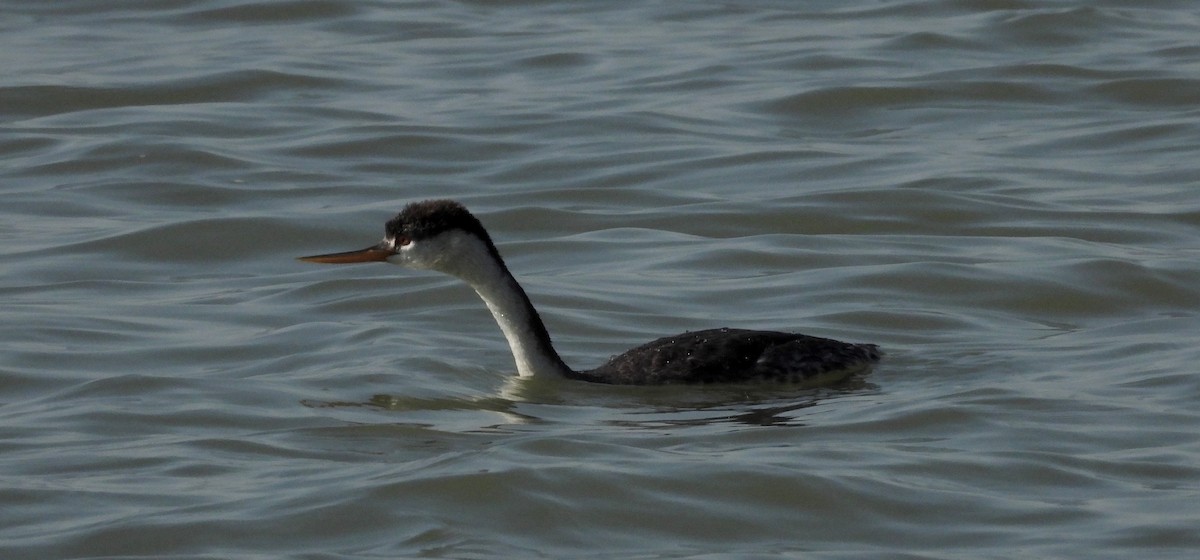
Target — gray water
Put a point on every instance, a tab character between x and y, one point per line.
1003	194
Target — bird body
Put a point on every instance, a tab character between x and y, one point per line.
731	356
442	235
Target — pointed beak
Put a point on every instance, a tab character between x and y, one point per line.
374	253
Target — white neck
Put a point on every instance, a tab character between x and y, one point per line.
509	306
507	302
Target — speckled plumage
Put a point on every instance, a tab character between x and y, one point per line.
732	356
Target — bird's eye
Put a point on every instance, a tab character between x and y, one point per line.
403	241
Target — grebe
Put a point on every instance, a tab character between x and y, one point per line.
442	235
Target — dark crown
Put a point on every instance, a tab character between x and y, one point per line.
428	218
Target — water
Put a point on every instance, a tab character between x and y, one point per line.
1002	194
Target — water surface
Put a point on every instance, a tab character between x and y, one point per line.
1004	195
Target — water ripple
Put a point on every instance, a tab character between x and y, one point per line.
1002	193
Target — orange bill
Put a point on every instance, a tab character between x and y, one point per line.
375	253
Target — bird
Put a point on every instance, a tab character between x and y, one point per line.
443	236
